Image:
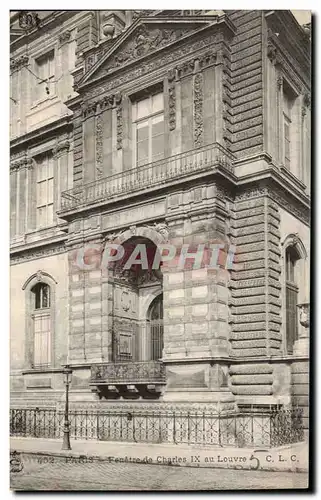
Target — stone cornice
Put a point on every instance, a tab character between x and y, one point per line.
269	182
22	142
290	34
279	56
185	55
37	250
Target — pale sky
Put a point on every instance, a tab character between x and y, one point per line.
302	16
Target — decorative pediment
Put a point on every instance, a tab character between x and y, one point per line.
144	37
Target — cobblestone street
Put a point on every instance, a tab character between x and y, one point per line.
51	473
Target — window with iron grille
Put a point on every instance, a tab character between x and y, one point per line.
291	299
41	325
156	327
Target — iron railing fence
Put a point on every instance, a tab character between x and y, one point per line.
151	174
274	428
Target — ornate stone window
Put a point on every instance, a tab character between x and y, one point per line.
290	140
148	129
40	295
41	325
295	275
291	258
45	190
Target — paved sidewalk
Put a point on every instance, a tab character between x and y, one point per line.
291	458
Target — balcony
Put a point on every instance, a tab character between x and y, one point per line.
151	176
128	379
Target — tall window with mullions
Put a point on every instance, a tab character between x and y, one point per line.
148	125
291	299
42	325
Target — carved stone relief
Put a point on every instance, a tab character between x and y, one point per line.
144	42
119	118
18	63
23	162
99	145
198	110
172	100
61	147
64	37
143	69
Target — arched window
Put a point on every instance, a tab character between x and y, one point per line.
40	311
291	298
155	316
41	325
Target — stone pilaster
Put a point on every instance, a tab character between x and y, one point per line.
185	74
123	131
22	199
60	153
87	323
32	196
13	204
196	330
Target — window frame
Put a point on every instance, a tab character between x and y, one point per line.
291	289
36	99
45	180
293	243
287	159
31	312
149	119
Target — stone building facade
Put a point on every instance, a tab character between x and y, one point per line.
160	127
